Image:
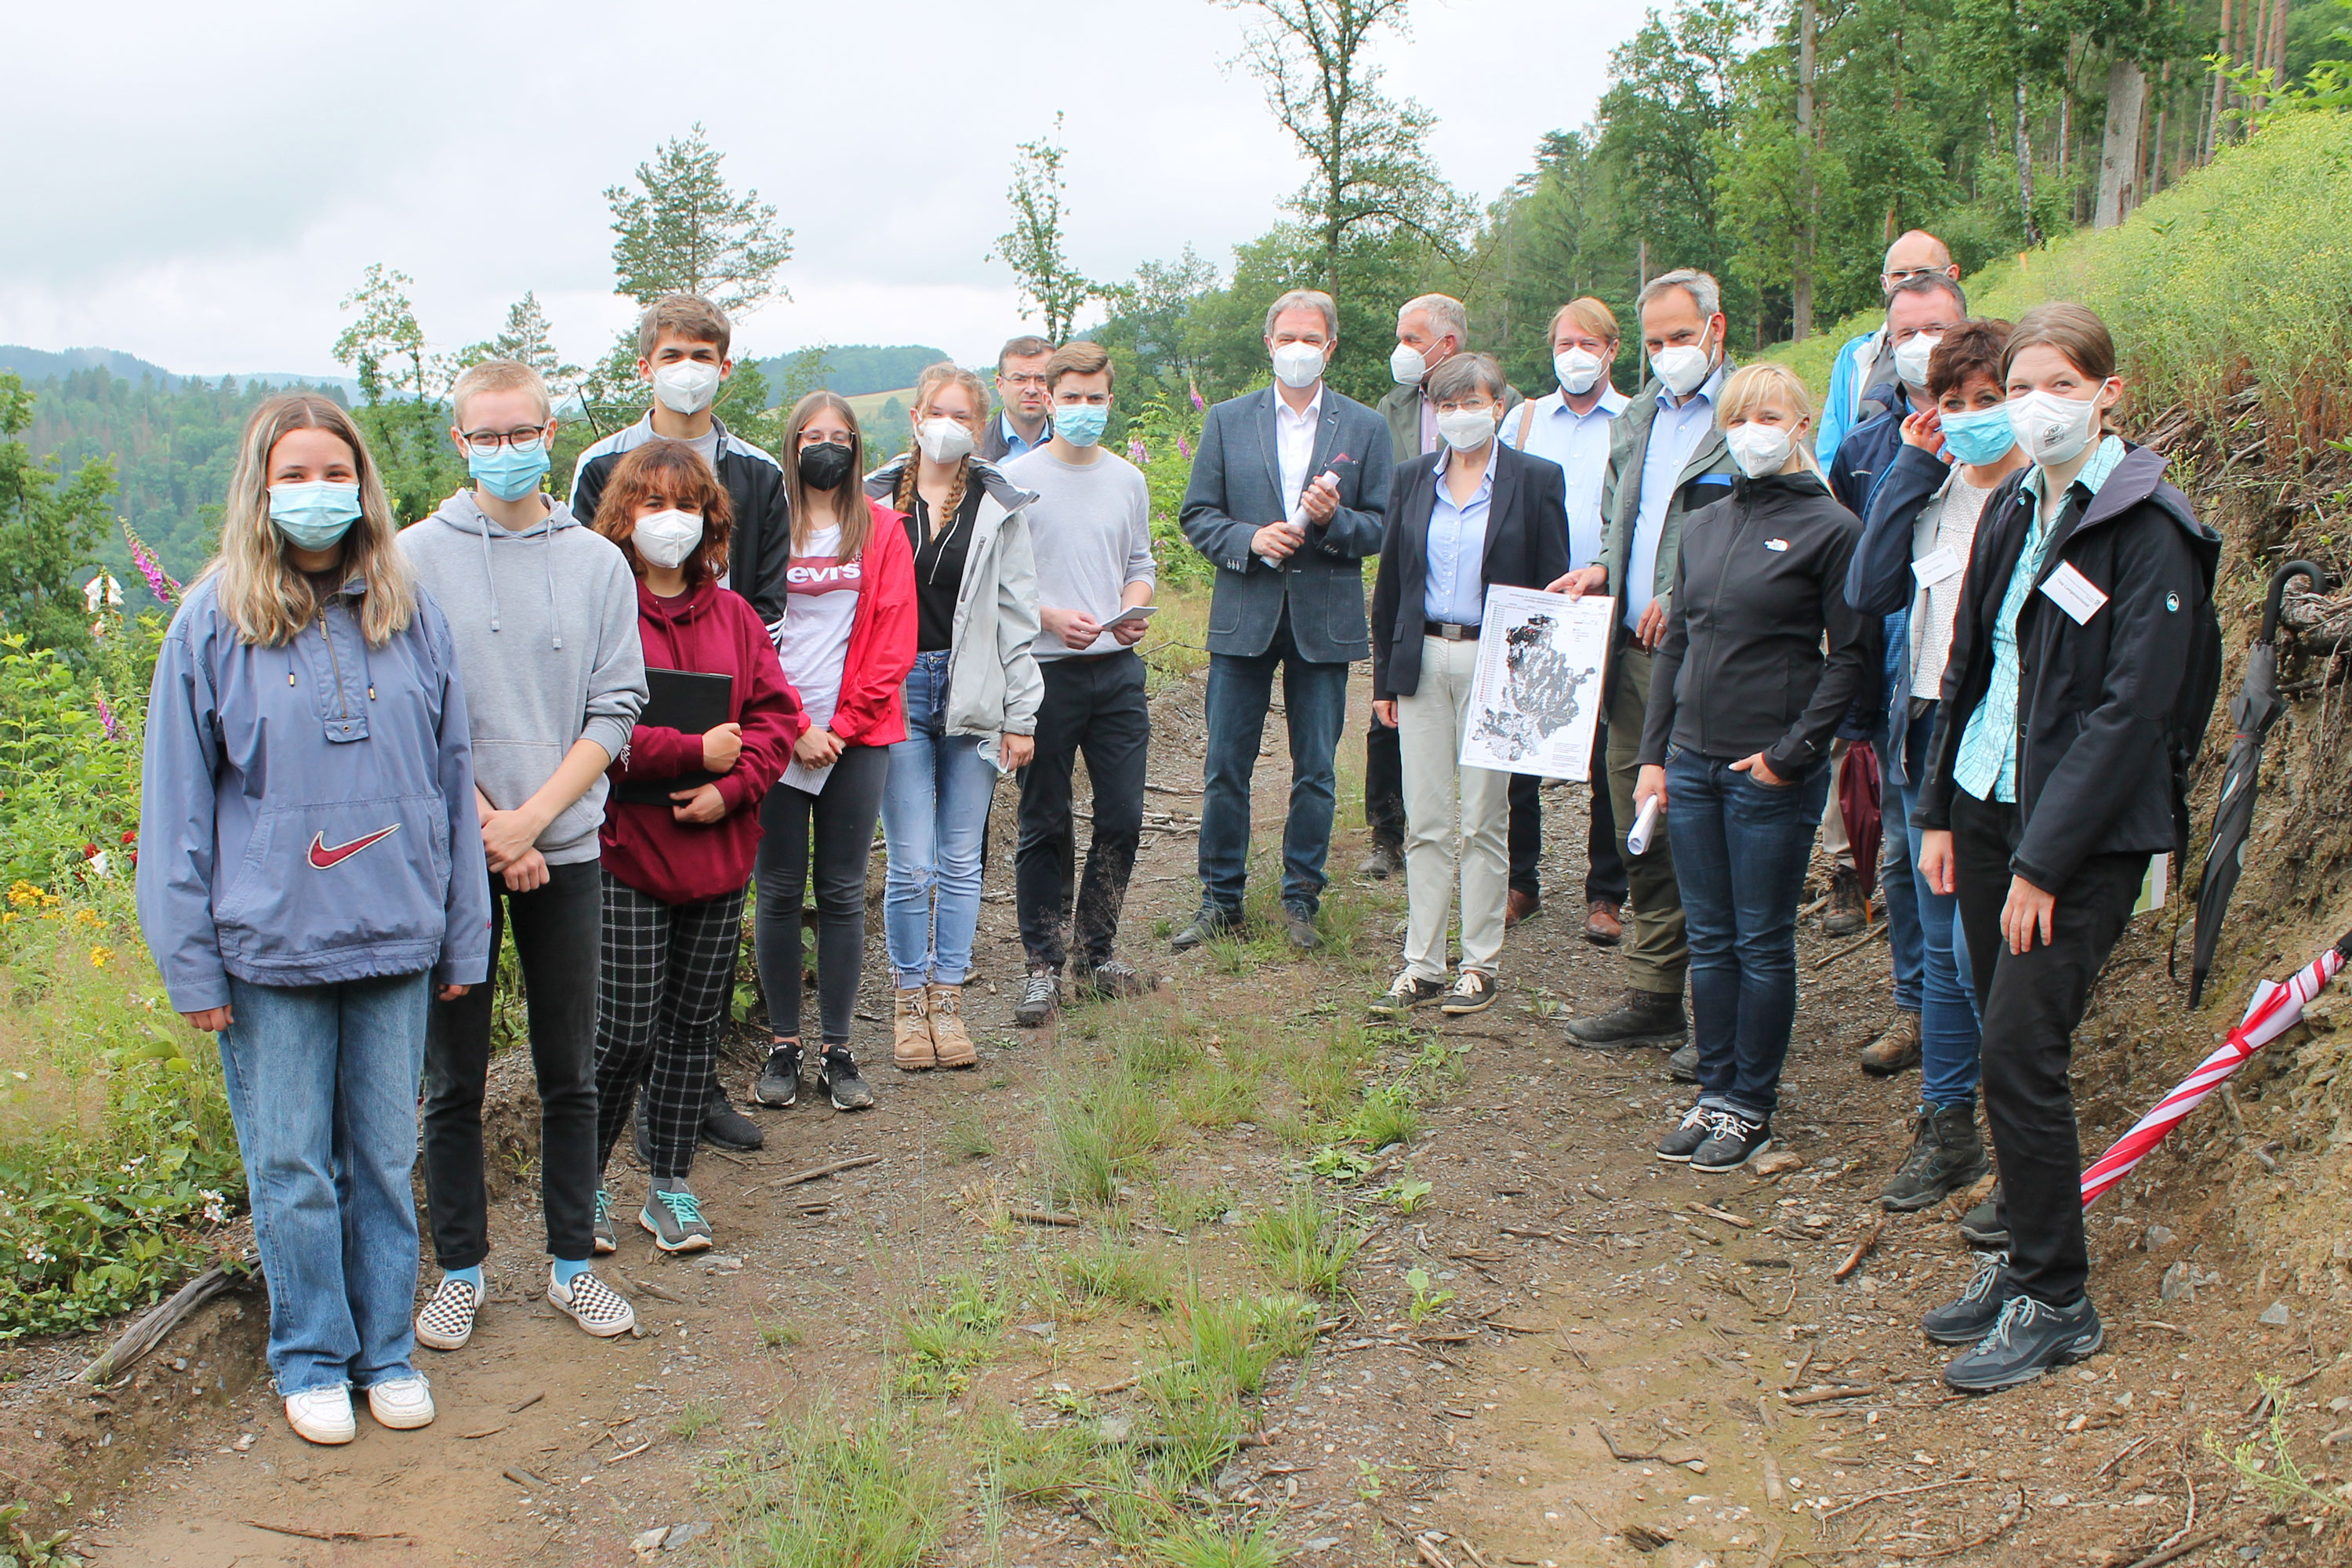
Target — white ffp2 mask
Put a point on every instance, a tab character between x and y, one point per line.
666	539
686	386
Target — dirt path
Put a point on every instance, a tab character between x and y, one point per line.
1599	1370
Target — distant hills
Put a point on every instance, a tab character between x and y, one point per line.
37	366
853	370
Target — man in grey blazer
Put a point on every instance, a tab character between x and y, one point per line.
1286	496
1667	459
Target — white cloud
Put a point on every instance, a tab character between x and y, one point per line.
210	203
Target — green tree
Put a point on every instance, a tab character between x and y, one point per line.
683	231
1034	246
529	339
403	394
50	527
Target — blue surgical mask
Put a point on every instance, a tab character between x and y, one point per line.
508	472
315	515
1981	437
1080	424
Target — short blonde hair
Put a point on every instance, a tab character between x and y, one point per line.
1753	385
498	376
1592	315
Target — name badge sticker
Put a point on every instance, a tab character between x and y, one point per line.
1940	566
2072	593
1776	544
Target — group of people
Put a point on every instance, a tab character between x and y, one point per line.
595	724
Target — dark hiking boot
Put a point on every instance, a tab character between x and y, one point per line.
1207	926
2029	1339
1849	911
1643	1018
1970	1316
1984	1226
1041	998
1385	861
1683	1066
1946	1155
724	1127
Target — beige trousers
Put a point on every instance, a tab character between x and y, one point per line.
1430	725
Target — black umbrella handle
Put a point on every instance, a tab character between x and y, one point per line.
2277	594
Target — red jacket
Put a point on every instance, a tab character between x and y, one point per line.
872	709
715	631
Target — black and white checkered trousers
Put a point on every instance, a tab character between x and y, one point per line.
662	996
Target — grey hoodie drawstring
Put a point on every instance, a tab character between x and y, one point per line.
490	573
554	624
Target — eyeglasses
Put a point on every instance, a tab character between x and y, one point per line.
1011	380
527	440
1905	274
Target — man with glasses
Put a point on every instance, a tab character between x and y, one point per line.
542	615
1863	382
1020	425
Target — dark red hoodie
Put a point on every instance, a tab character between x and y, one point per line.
715	631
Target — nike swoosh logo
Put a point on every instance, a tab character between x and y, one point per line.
327	856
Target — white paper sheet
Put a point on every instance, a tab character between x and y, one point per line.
1541	662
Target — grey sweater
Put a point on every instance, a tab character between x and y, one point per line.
1092	532
545	623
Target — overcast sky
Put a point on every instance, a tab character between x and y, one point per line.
202	185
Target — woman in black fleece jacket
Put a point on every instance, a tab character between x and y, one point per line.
1743	706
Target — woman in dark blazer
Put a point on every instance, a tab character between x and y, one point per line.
1476	513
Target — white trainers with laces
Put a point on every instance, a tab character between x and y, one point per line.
401	1404
447	1320
322	1415
592	1304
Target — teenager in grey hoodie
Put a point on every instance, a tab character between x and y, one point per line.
544	614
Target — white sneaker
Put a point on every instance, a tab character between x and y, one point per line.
322	1415
447	1320
402	1403
593	1305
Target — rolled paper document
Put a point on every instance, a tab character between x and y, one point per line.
1638	841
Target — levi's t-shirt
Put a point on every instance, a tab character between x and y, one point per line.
820	592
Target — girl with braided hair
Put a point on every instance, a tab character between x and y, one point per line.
971	705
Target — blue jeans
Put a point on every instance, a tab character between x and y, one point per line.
1949	1035
1314	709
1740	849
934	813
322	1084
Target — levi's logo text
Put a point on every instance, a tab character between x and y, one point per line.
823	574
326	856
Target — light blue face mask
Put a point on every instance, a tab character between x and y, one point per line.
1981	437
315	515
508	472
1080	424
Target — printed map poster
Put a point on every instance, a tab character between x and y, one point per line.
1541	663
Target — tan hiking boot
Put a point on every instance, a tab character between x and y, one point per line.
913	1048
949	1037
1894	1051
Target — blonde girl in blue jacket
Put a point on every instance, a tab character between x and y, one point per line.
311	876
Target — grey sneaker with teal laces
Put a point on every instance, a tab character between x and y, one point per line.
674	1215
607	1238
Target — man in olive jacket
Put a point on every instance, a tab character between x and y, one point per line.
1285	596
1667	459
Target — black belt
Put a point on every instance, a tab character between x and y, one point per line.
1447	631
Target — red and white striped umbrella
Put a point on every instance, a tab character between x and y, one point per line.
2275	1008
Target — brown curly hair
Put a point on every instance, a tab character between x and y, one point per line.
674	472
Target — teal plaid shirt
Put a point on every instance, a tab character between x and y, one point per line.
1986	764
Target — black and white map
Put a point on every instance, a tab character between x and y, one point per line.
1541	663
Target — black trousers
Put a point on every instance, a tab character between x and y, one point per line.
1098	706
1604	851
843	816
1384	787
663	990
558	927
2031	1003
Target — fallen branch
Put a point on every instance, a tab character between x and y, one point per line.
327	1535
1900	1491
1802	1363
1861	1249
152	1330
819	1172
1043	1216
1726	1215
1614	1452
653	1288
2174	1553
1877	933
1823	1396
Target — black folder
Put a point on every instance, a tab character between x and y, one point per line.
690	702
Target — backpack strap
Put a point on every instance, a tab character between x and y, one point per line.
1527	421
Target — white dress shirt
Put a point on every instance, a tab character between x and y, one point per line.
1294	444
1579	443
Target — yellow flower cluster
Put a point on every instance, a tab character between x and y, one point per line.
26	896
99	957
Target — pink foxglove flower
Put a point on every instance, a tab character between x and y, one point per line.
1184	449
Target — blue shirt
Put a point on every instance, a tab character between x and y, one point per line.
1674	435
1579	443
1456	590
1848	376
1015	444
1985	765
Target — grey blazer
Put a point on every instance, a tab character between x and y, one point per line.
1237	490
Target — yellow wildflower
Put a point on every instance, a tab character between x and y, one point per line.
99	957
24	894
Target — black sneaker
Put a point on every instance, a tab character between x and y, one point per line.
1113	980
779	1080
1737	1140
1404	994
2029	1339
1683	1066
1971	1317
724	1127
1946	1155
1041	998
1210	924
836	1074
1643	1018
1690	1133
1472	992
1984	1226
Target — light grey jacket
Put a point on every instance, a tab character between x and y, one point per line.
545	625
994	686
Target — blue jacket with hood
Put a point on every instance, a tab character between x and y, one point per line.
307	811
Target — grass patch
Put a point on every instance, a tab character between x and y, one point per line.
1101	1136
966	1138
1233	1342
780	1333
1215	1095
822	1493
693	1419
1187	1207
1305	1245
1206	1543
1386	1116
1115	1273
939	1347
